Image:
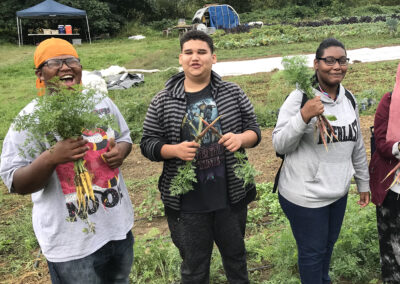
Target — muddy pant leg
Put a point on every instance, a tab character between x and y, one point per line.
229	231
192	235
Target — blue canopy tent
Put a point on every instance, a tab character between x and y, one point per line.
217	16
49	9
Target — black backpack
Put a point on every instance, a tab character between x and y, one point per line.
303	102
372	140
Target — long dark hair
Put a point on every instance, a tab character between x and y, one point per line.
320	51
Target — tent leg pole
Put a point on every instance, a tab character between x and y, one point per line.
87	23
19	39
20	26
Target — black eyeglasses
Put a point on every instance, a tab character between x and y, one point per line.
71	62
330	60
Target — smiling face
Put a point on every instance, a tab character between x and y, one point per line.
69	76
197	60
330	76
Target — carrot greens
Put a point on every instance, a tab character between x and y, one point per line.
244	170
183	182
297	73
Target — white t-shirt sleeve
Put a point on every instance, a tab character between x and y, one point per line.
124	133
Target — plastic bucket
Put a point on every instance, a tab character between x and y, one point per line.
68	29
61	29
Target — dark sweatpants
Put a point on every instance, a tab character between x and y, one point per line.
194	236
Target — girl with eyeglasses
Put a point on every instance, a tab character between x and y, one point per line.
314	183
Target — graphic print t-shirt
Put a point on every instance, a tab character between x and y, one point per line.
104	179
210	192
59	227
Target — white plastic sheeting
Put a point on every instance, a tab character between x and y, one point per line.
93	80
244	67
113	78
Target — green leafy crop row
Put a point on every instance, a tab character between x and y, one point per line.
286	34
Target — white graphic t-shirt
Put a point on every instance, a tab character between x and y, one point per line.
58	222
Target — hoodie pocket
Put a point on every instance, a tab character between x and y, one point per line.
332	180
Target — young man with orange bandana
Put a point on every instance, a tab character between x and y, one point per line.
103	256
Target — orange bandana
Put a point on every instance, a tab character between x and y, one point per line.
50	48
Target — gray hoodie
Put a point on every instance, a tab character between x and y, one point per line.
311	176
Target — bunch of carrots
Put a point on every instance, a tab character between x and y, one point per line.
64	112
183	181
323	126
396	179
297	73
83	184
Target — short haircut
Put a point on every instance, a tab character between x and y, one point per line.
326	44
197	35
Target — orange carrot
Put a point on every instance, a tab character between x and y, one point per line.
89	184
392	171
207	128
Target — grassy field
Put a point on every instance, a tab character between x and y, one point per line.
18	245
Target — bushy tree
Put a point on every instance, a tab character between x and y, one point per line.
101	20
240	6
8	24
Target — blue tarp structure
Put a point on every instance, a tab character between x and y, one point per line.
223	17
217	16
49	9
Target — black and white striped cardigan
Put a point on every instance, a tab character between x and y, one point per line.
162	125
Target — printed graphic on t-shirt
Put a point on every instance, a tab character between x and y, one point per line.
104	179
209	192
199	114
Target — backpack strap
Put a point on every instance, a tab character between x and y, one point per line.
303	102
350	97
276	181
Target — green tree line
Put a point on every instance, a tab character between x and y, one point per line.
110	16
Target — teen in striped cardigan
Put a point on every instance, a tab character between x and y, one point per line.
216	210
